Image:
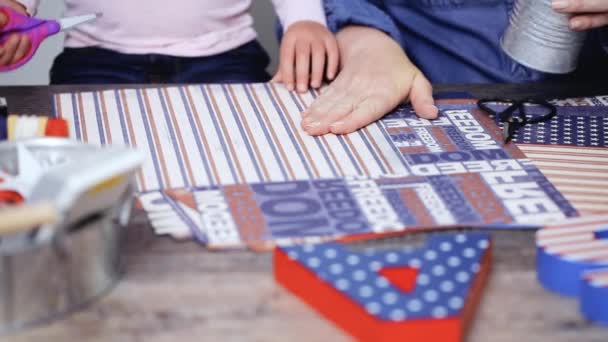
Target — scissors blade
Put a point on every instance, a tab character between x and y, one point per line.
68	23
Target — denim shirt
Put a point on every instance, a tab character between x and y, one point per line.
455	41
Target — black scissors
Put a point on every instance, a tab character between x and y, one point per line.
514	116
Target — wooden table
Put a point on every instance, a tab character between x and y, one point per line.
177	291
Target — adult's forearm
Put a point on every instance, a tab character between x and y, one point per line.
346	13
356	40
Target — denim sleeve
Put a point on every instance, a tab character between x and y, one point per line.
341	13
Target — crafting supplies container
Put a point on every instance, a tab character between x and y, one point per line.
44	279
540	38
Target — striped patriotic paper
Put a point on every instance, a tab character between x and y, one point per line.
580	174
223	134
230	164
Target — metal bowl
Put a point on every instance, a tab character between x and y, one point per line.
41	280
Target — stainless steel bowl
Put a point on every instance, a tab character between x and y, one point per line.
41	280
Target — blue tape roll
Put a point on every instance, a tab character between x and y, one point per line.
565	252
561	275
594	297
572	261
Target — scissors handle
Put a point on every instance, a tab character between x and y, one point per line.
36	29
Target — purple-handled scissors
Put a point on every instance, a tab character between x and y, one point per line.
37	29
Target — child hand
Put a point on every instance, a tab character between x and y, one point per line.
17	45
306	48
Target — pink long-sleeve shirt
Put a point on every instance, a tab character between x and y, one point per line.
184	28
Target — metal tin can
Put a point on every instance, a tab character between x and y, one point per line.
41	280
540	38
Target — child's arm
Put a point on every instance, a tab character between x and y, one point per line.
308	47
17	45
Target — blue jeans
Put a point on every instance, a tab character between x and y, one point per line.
93	65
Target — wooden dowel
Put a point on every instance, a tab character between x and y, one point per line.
17	219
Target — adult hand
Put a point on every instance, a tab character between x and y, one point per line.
17	45
376	76
587	14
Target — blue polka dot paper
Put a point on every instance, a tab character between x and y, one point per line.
446	268
579	122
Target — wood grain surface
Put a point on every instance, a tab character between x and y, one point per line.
177	291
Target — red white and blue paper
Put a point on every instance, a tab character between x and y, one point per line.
571	151
400	293
279	212
579	173
255	177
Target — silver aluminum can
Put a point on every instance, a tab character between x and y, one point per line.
539	37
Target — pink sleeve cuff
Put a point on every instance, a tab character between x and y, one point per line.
292	11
